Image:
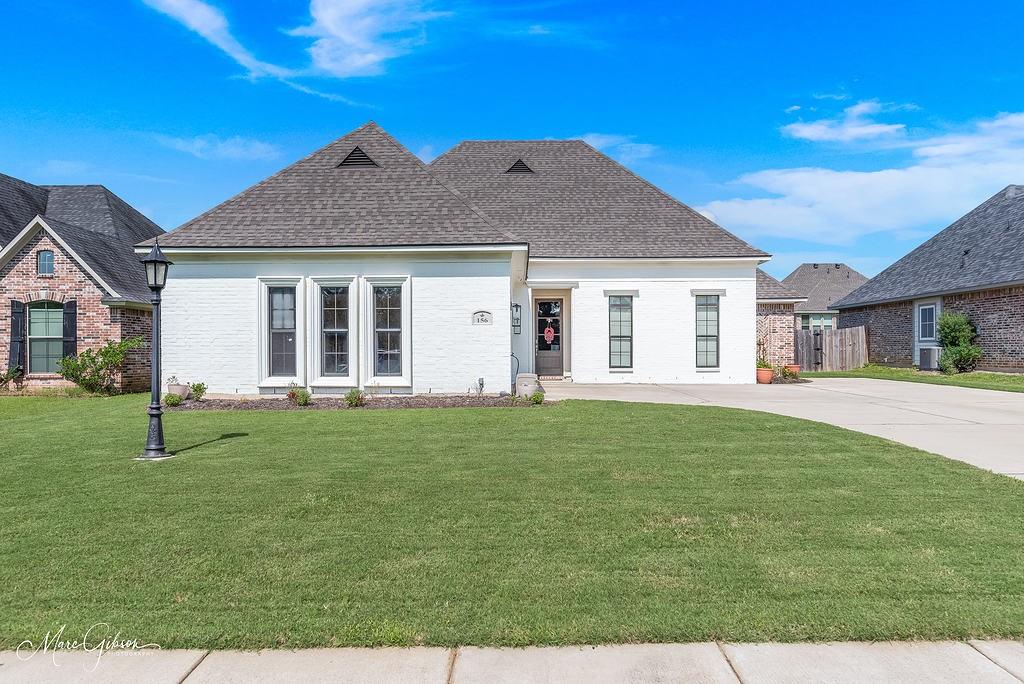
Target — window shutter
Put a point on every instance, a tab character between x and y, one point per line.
18	329
71	328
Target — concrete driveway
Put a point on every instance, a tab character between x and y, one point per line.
981	427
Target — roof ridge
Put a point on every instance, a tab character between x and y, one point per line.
472	207
669	197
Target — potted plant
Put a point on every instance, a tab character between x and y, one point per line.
793	368
176	387
765	372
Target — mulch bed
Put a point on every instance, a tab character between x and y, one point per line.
779	380
333	403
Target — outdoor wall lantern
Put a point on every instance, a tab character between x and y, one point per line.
156	277
517	319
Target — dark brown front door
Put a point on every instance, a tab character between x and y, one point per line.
549	336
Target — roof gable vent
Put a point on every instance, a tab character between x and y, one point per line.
357	158
519	167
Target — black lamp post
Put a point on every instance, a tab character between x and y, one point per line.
156	277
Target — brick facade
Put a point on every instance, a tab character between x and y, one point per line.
775	332
999	316
97	323
890	330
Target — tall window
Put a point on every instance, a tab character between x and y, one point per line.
44	262
45	336
707	331
926	322
387	329
282	331
620	331
334	321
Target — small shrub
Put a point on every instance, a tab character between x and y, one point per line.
355	398
786	374
763	362
171	399
299	396
956	330
95	370
956	334
198	390
537	398
8	376
959	359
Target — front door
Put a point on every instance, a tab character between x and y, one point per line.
549	337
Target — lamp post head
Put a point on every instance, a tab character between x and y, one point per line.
156	268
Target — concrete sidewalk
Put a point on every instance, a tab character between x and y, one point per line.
982	427
903	662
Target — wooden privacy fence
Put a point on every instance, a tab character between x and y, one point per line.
832	350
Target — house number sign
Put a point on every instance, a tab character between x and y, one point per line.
483	318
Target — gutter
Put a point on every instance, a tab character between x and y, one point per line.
124	303
923	295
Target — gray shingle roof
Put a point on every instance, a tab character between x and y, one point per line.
313	203
580	203
769	288
984	248
98	225
20	202
823	285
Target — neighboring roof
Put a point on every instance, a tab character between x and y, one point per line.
96	209
20	202
768	288
823	285
983	249
96	225
573	201
396	201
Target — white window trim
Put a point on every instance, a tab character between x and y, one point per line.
934	306
318	379
368	314
266	380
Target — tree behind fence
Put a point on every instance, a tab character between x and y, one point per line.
832	350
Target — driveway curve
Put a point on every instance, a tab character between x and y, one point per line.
982	427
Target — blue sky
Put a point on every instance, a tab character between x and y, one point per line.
817	131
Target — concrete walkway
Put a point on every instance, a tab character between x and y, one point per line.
982	427
904	662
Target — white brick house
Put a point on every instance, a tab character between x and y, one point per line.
359	266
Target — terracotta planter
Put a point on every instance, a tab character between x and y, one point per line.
180	390
765	375
793	368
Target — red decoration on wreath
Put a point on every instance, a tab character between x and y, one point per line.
549	334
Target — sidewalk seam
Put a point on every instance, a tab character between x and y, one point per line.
451	665
994	661
194	666
721	649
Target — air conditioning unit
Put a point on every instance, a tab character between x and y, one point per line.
929	358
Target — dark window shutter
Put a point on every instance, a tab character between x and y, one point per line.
71	328
18	329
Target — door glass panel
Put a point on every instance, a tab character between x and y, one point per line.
549	326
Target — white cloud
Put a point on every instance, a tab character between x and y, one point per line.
426	153
213	147
356	37
856	124
792	108
948	175
210	23
620	147
64	167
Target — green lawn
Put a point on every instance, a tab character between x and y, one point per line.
579	522
978	379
